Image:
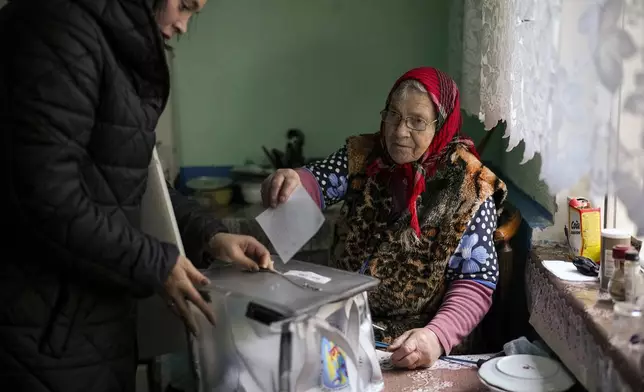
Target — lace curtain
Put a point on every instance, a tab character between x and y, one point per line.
567	77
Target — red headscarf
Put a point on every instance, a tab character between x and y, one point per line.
443	92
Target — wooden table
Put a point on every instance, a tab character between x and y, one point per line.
578	326
443	376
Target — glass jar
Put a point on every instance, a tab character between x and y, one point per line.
616	285
610	238
627	323
632	275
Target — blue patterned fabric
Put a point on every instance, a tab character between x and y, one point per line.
475	258
331	174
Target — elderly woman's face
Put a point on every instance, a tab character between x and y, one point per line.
405	143
174	16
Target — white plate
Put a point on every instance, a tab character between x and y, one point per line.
526	373
491	387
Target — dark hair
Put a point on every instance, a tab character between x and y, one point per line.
158	4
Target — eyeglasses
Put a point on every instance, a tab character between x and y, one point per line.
412	122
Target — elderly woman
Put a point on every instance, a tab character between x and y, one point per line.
419	213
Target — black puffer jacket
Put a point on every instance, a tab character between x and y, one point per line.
82	85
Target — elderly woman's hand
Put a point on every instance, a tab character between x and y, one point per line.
277	188
416	348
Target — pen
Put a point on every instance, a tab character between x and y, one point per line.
478	363
381	345
365	264
466	361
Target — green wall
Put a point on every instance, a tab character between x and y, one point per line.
526	176
250	69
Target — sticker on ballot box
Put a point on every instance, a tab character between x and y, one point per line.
308	275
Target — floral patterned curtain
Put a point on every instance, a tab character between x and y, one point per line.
567	76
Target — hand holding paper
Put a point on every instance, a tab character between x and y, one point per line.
292	224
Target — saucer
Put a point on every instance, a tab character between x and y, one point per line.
525	373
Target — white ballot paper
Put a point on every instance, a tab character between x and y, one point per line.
292	224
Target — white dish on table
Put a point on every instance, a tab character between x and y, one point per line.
492	387
525	373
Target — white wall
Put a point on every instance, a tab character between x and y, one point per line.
630	129
556	232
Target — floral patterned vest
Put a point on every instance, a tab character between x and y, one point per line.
372	239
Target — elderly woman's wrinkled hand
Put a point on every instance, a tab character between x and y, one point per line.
277	188
416	348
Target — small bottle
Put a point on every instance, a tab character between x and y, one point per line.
616	284
632	276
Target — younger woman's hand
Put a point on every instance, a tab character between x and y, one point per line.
180	289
